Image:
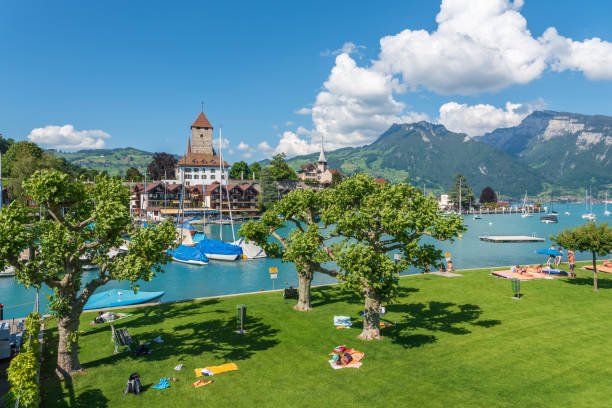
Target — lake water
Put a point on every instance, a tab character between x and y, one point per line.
182	281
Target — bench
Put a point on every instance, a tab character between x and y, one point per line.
121	337
290	293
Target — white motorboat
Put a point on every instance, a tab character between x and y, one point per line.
250	250
8	271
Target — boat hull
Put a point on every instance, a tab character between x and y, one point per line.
218	257
189	262
120	297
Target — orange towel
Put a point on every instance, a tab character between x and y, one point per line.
223	368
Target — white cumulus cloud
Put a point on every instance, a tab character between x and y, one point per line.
485	45
224	143
242	146
67	137
476	120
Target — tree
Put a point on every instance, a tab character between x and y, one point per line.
374	220
132	174
467	195
19	150
488	196
163	165
21	160
588	237
86	220
305	246
269	193
336	179
280	169
255	169
5	144
239	170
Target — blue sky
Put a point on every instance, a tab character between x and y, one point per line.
134	73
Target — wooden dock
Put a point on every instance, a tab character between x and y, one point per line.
510	238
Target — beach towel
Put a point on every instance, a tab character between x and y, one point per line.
342	321
600	268
223	368
119	317
355	363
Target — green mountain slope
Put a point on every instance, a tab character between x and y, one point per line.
430	155
114	161
569	149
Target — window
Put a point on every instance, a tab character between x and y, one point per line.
223	176
187	169
195	176
212	171
212	177
203	176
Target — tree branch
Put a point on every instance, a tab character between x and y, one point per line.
90	289
281	239
331	272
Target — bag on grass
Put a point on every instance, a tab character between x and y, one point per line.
133	384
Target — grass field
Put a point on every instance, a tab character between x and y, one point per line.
460	342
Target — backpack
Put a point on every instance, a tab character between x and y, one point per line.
133	384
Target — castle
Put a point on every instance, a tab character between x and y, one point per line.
201	164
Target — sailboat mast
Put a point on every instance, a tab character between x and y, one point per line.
220	187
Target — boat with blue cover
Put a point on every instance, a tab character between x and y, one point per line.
219	250
121	297
188	255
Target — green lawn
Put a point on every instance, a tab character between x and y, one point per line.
458	342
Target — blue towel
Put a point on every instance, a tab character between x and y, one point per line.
163	383
342	321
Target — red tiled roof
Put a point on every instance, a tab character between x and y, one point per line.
201	159
201	122
381	181
150	186
336	171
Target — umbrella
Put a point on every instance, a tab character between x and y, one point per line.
548	251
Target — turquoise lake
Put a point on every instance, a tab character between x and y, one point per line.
182	281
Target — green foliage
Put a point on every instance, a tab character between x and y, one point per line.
5	144
240	170
336	179
280	170
255	168
23	369
588	237
132	174
467	195
113	161
375	220
85	220
269	194
488	196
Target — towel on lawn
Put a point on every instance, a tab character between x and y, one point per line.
355	363
223	368
163	383
342	321
119	317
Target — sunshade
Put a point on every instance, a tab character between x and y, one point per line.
548	251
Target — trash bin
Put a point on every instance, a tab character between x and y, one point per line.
516	287
241	317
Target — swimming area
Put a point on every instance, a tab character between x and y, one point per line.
181	281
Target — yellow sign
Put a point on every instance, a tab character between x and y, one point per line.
273	270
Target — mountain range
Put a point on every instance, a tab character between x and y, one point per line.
559	151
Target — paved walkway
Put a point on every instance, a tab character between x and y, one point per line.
447	274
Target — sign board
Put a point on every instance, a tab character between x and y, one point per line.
273	276
273	270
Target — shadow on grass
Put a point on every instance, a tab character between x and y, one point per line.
601	283
51	382
327	295
433	316
216	337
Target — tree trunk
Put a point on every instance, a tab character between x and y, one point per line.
371	317
68	347
303	304
595	273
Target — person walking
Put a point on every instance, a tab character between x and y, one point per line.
559	258
571	260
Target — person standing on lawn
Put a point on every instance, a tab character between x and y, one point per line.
571	260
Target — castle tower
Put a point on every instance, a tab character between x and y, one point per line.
201	135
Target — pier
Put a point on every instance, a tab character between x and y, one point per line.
510	238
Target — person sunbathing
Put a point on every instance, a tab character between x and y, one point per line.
344	359
523	270
539	269
607	263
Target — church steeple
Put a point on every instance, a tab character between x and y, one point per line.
322	154
189	146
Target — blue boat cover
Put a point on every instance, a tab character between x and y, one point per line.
548	251
187	226
185	253
214	246
119	297
198	236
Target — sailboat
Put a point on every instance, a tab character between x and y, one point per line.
526	212
551	217
588	215
606	212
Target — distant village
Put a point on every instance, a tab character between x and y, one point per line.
202	184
